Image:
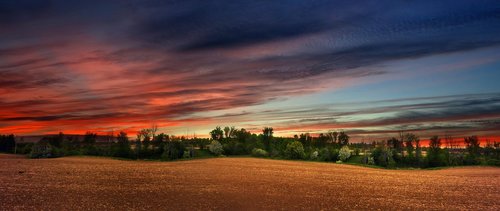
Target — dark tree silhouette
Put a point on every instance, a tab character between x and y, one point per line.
435	143
217	133
267	135
343	138
7	143
472	144
89	139
123	146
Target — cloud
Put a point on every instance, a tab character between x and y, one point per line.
92	64
474	113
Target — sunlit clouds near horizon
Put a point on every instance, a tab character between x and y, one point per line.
371	68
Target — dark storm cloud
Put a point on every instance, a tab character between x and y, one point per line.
22	10
221	24
351	36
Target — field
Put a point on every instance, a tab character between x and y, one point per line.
237	183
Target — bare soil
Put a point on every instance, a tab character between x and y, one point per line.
76	183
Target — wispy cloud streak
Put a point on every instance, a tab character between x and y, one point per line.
97	65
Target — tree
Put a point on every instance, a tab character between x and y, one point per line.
89	139
173	150
267	131
215	147
418	149
146	143
153	130
229	132
232	132
159	139
343	138
138	146
242	135
123	146
267	136
217	133
383	156
395	144
434	143
344	153
295	150
321	141
305	139
7	143
71	145
408	140
144	134
434	155
57	141
332	136
472	144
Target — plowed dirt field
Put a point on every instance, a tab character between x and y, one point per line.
75	183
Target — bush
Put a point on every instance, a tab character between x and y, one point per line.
295	150
90	150
383	157
215	148
344	153
328	154
370	161
471	159
44	150
187	154
455	159
493	162
26	149
334	154
274	153
357	151
173	150
122	149
324	154
314	155
436	159
259	153
234	148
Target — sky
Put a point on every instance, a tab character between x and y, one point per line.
371	68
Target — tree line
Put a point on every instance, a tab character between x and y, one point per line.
333	146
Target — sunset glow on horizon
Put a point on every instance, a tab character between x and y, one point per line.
432	68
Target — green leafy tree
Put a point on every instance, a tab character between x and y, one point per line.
305	139
321	141
295	150
173	150
435	157
473	149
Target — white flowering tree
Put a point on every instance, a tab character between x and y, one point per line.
314	155
215	147
344	153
